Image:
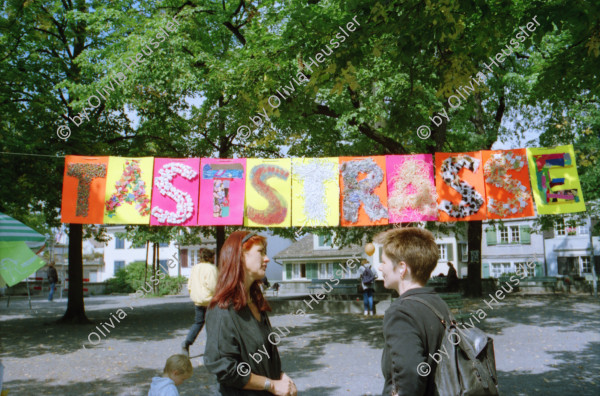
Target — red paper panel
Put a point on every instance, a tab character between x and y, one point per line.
508	193
84	185
460	186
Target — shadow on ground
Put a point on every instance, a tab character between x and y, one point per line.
304	349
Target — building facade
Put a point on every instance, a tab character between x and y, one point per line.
568	250
315	257
505	248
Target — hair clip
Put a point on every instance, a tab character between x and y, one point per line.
248	236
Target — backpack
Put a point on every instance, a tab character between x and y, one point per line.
367	276
470	369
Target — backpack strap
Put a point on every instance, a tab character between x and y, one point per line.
432	308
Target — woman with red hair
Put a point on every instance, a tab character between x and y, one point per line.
239	350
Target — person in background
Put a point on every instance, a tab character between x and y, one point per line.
265	283
177	369
412	332
237	325
201	285
367	275
452	278
52	279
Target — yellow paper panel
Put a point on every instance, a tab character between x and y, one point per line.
128	190
554	180
315	192
268	192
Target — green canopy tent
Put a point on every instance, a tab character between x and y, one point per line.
17	260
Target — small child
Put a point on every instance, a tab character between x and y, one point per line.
178	369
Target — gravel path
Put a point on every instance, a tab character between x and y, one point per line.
545	345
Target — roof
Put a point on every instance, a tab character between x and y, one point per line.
304	249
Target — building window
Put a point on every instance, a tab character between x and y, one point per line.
443	252
514	234
163	244
559	228
193	256
118	265
563	228
119	243
464	253
324	241
503	235
299	271
585	265
325	270
497	269
510	234
163	266
446	252
524	267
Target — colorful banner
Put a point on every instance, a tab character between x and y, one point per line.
268	192
411	188
460	186
315	192
363	191
347	191
128	190
554	180
222	186
84	184
175	191
507	190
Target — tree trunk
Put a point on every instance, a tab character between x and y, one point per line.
146	266
220	233
75	307
473	287
158	268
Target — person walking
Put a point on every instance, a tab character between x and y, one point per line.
240	348
367	275
452	278
412	333
201	285
52	279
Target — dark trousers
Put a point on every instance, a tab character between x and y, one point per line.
197	326
52	287
368	299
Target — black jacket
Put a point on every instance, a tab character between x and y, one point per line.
411	332
232	338
52	275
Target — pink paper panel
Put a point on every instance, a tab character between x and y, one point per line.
411	188
175	191
222	186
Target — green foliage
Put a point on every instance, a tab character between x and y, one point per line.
120	283
131	279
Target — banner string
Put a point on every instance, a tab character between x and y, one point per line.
33	155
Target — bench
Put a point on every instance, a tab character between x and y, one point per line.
455	303
439	283
346	286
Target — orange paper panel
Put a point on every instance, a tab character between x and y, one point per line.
84	184
460	186
363	198
507	188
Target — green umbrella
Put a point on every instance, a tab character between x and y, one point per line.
12	230
17	261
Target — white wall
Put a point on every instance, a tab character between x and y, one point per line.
130	254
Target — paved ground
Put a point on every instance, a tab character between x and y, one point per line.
544	346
